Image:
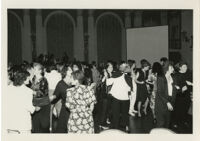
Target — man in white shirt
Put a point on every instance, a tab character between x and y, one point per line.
121	88
53	77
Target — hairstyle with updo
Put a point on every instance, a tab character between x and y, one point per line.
164	59
157	69
40	66
78	64
78	75
144	63
19	77
109	64
64	71
167	65
181	64
131	62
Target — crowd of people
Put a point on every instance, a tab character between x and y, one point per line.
74	93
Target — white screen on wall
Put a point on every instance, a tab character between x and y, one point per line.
150	43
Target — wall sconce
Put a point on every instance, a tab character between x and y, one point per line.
186	38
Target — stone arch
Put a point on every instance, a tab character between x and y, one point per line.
110	13
109	31
15	32
18	18
59	12
63	40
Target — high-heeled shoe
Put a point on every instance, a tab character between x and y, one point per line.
131	113
127	129
134	111
154	121
145	112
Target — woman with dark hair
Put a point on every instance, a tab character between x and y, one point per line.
165	97
20	97
60	94
142	93
155	72
183	100
106	97
88	75
80	100
29	69
41	119
163	61
76	66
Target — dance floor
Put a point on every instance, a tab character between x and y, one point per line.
144	124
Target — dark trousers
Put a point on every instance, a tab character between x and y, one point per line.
63	120
182	105
106	109
41	120
163	119
120	110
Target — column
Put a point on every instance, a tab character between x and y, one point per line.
27	43
124	47
127	19
138	19
127	25
74	42
79	46
92	48
45	50
39	33
163	17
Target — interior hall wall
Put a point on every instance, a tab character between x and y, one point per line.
109	39
186	41
14	39
59	32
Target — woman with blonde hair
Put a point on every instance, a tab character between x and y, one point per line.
41	119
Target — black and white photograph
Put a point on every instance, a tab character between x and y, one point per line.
107	71
91	71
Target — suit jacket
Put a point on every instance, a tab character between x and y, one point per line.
162	97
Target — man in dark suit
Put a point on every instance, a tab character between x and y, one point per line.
165	97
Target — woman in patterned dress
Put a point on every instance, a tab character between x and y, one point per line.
80	100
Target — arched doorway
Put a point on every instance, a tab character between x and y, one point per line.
60	34
109	37
14	38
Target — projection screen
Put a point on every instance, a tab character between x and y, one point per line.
149	43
